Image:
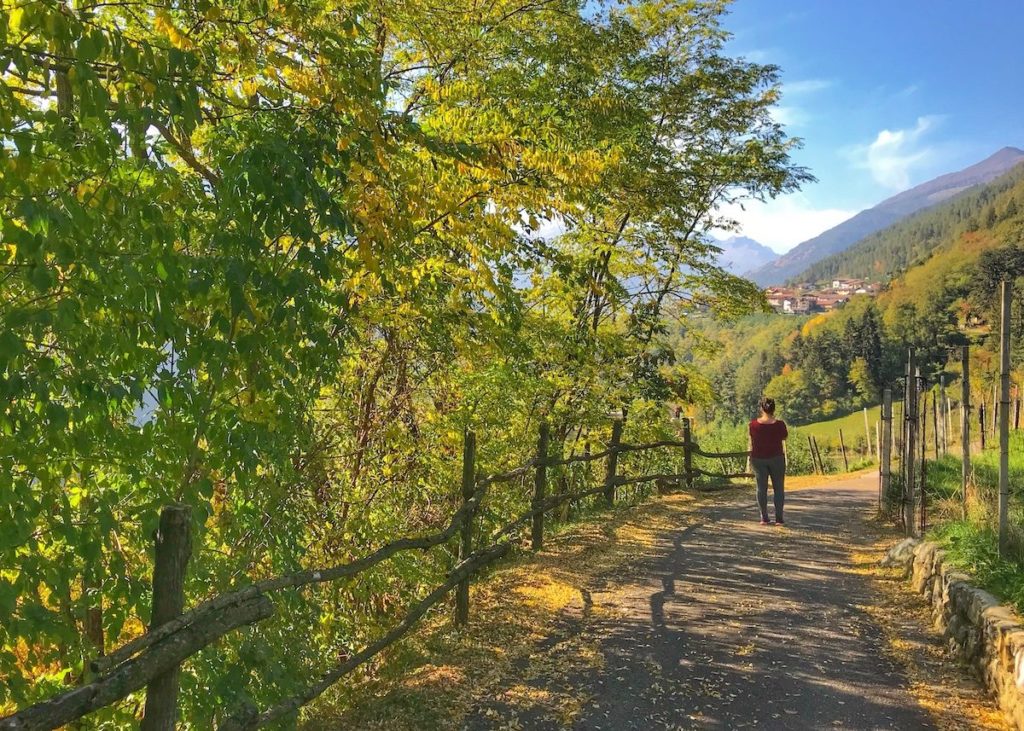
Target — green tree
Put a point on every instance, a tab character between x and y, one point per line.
863	383
270	259
795	395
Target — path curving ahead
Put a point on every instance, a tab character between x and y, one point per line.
729	624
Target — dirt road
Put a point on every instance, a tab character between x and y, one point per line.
730	624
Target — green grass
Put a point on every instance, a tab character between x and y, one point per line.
973	547
826	435
943	476
827	432
972	544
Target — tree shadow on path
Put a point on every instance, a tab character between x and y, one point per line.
727	624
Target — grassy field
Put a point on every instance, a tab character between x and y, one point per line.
827	432
734	438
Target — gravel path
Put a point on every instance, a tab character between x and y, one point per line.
730	625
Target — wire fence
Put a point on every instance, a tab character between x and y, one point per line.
959	451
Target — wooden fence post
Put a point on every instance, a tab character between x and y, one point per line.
540	485
899	436
687	453
965	426
995	408
173	550
842	444
613	461
817	453
885	447
1006	294
867	436
943	405
910	415
981	423
810	449
466	544
922	487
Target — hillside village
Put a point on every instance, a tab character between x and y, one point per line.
807	298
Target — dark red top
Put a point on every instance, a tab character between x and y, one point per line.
766	439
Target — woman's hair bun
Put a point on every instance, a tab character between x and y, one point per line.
767	405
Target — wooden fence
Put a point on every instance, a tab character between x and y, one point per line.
153	660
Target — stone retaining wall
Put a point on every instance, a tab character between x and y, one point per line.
985	634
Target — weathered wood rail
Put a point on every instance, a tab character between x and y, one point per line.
154	660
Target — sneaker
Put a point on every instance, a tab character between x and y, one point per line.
779	522
764	522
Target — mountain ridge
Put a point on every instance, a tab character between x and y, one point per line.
890	211
741	254
916	238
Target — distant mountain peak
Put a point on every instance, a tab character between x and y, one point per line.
886	213
740	254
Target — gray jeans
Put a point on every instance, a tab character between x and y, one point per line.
774	467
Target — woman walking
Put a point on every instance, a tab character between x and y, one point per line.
768	458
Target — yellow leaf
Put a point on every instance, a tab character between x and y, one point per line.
15	18
366	254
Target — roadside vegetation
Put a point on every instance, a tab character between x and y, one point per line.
972	543
272	260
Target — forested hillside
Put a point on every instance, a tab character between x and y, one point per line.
908	243
270	260
879	217
828	364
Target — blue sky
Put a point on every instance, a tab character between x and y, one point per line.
885	94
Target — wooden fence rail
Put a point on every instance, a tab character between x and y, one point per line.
154	660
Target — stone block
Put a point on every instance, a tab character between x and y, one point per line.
902	553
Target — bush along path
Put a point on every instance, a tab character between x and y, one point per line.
686	614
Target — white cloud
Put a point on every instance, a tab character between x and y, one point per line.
895	154
784	222
759	55
797	115
806	86
790	116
